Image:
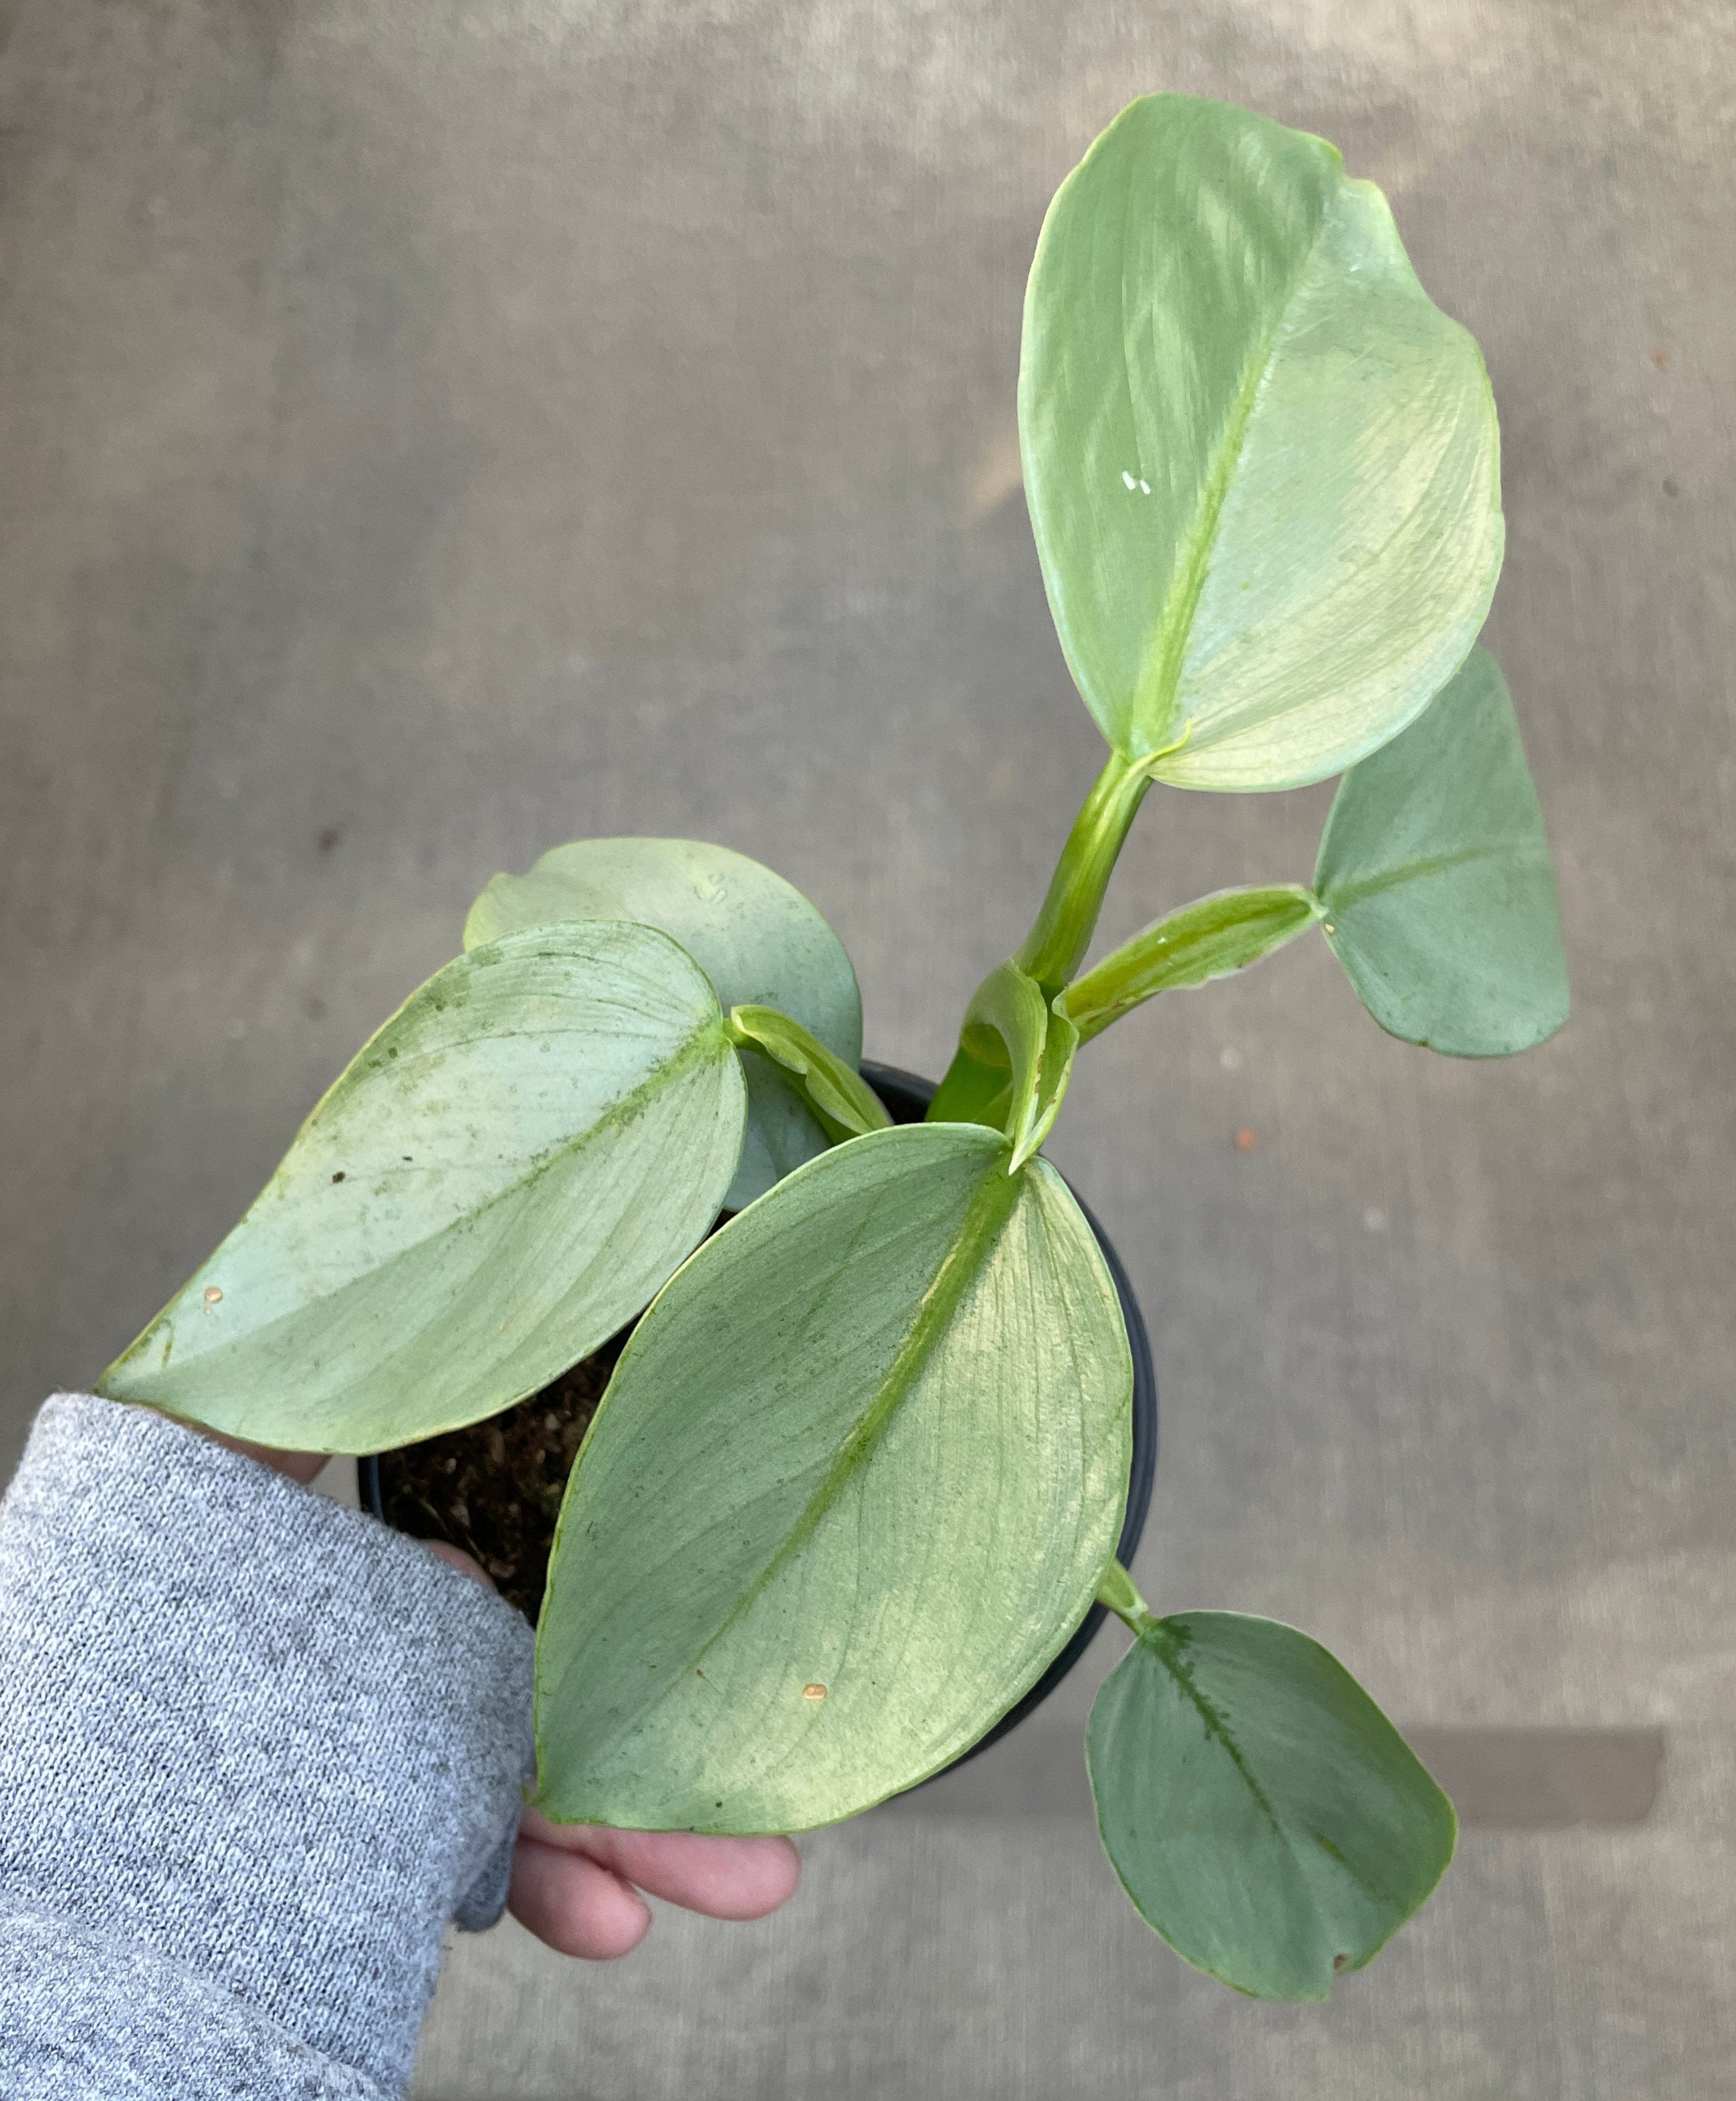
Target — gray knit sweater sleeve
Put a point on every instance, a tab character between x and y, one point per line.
256	1751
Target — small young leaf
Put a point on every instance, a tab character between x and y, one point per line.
500	1179
1435	880
851	1488
1261	464
1009	1024
835	1092
1261	1812
1060	1046
1211	938
754	935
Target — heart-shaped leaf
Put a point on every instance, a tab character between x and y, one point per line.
754	935
1435	879
500	1180
1261	1810
1262	466
849	1491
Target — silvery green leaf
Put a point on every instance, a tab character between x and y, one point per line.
499	1181
850	1489
1435	880
1262	466
756	937
1261	1812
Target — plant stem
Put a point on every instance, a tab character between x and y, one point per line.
1117	1590
975	1088
1056	945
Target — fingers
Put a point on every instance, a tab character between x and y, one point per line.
575	1904
572	1884
722	1878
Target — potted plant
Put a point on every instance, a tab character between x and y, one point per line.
862	1466
495	1488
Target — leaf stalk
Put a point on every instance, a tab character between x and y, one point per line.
1210	939
843	1101
1117	1590
1056	945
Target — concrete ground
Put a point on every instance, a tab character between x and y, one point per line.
435	429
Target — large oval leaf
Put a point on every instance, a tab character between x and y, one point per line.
500	1180
852	1487
1435	878
755	937
1261	466
1261	1812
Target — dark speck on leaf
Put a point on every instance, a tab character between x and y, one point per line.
339	1176
1340	1963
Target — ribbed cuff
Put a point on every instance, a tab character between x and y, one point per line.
249	1731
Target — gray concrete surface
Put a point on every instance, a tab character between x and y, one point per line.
432	431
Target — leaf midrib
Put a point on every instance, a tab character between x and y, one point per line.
1177	622
1166	1646
986	1218
1520	854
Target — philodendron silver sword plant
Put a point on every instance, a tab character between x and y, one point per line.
861	1469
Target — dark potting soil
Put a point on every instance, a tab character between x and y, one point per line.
495	1488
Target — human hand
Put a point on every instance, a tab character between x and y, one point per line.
578	1886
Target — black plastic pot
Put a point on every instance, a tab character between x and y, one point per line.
906	1096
